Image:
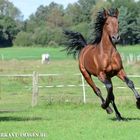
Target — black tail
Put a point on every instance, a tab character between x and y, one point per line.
75	42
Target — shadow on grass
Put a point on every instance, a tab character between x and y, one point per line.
8	111
6	116
126	119
12	118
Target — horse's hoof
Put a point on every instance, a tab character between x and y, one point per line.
109	110
138	104
104	106
119	118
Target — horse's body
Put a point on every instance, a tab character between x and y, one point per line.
101	62
101	57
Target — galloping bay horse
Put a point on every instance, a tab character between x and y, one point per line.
101	58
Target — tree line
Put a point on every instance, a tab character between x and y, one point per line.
45	27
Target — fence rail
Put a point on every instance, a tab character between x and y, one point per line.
35	83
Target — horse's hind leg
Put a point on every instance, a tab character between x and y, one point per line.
97	91
130	84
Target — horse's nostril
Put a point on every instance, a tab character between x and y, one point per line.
113	37
118	37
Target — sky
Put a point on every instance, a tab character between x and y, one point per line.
27	7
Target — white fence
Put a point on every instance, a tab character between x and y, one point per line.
130	58
35	84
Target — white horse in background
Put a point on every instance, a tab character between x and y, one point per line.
45	58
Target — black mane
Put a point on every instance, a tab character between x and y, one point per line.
99	23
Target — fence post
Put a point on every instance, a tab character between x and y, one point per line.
84	91
35	89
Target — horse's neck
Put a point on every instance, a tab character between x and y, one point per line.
106	43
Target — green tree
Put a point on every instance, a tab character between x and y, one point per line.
47	24
55	15
40	36
8	9
41	13
8	29
136	31
31	24
129	17
86	6
83	28
123	24
23	39
128	26
73	14
10	22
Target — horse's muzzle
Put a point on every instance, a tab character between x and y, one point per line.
115	38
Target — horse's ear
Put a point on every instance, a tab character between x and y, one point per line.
117	12
105	13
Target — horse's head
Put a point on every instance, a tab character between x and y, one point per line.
111	26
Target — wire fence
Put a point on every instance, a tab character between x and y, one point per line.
48	87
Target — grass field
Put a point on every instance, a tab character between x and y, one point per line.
34	53
72	122
60	113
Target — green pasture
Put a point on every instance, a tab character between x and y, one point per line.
32	53
72	122
56	53
60	112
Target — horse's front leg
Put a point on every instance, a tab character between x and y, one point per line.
130	84
110	96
